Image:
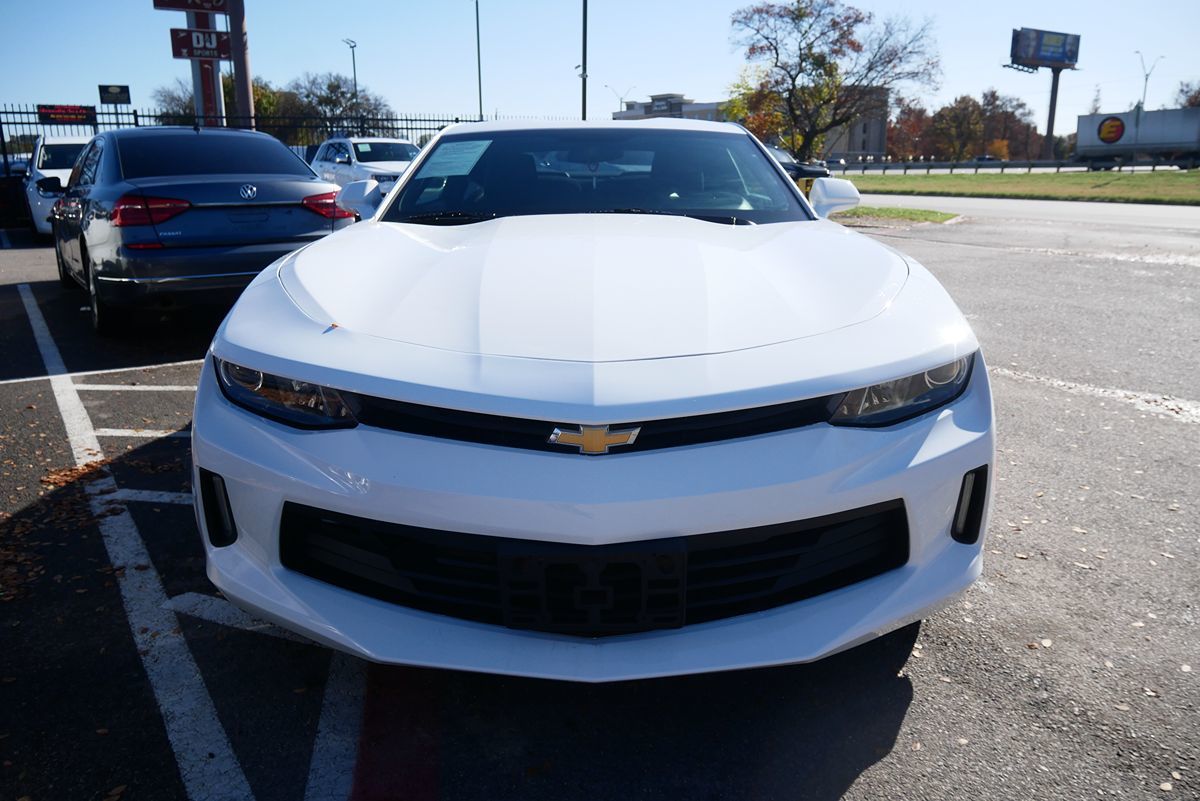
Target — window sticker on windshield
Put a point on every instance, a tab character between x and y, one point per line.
454	158
363	147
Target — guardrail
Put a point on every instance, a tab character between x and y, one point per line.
926	167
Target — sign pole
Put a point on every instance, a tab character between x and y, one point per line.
242	84
1048	145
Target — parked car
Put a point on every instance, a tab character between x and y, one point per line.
594	428
52	157
18	167
798	170
170	216
344	160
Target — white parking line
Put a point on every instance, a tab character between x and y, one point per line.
207	765
148	433
151	496
1185	411
107	371
137	387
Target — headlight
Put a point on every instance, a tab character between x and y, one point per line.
894	401
296	403
383	179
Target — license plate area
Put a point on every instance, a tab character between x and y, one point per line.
594	590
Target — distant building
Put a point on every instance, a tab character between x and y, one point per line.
670	105
864	139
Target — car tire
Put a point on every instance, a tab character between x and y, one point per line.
104	321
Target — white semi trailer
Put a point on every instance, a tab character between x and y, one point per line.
1106	139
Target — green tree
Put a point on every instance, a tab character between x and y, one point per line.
958	127
825	63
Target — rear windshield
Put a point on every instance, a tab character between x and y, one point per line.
385	151
190	153
58	157
716	176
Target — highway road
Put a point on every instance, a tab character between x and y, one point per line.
1069	671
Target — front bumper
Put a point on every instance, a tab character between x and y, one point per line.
456	486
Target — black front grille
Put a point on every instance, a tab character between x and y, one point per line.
594	590
519	432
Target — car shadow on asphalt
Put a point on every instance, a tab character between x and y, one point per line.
152	337
804	731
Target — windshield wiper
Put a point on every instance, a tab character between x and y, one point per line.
449	217
727	219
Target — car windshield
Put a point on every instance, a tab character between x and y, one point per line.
58	157
782	155
715	176
191	153
385	151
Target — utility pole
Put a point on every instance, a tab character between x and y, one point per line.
353	65
242	84
478	62
583	66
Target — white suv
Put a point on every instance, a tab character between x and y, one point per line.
53	156
344	160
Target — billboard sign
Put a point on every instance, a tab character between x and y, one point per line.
66	115
192	43
1034	48
211	6
114	94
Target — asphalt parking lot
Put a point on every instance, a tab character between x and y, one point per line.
1069	671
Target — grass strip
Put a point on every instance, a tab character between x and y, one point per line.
895	213
1175	186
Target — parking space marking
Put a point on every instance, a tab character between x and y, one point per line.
137	387
207	765
151	496
82	373
335	750
149	433
1185	411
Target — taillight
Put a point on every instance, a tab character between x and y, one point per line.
138	210
326	205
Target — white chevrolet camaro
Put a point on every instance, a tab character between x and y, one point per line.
594	401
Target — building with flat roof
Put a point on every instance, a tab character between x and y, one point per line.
864	139
670	105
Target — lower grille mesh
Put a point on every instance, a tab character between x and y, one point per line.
594	590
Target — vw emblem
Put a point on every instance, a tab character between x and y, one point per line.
248	191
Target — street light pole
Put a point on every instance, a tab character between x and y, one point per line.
1146	74
583	65
353	64
620	97
478	62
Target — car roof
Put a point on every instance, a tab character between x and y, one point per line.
163	130
656	123
375	139
65	140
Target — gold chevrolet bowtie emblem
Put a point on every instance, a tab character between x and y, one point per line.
594	439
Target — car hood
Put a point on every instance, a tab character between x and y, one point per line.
593	287
371	167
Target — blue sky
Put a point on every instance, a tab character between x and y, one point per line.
421	55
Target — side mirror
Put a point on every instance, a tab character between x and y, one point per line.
360	197
50	183
341	158
832	194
